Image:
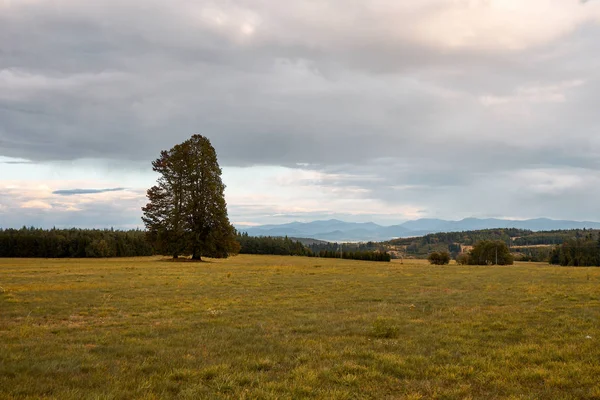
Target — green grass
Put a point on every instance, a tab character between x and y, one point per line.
268	327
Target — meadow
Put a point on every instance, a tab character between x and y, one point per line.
275	327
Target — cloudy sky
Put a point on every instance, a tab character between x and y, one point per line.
370	110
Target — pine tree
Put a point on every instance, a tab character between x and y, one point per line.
187	213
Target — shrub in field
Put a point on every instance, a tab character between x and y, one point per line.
384	328
439	258
462	259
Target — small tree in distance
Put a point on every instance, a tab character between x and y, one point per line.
462	259
439	258
488	252
186	213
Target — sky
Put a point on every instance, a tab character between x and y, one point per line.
370	110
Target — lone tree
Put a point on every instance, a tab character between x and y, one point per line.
488	252
186	213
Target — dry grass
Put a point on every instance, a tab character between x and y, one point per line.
289	327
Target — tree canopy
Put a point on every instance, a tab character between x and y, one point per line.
187	213
490	252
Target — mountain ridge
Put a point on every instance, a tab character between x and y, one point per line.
337	230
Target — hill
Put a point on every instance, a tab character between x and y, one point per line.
527	244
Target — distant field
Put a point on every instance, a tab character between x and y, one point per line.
269	327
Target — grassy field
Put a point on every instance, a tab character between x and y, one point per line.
269	327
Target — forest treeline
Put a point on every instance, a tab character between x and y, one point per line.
90	243
369	251
355	255
282	246
578	252
567	247
286	246
451	241
74	243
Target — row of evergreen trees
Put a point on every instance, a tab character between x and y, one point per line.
76	243
355	255
289	247
283	246
81	243
318	246
579	252
549	238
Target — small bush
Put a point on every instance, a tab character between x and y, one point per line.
462	259
264	364
384	328
441	258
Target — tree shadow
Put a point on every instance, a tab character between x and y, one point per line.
183	260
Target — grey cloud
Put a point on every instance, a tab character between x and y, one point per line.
278	100
519	192
72	192
123	80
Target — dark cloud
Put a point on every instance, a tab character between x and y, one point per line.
344	86
87	82
72	192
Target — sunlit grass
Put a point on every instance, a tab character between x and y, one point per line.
291	327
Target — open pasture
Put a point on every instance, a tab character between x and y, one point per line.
269	327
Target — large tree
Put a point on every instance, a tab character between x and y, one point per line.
186	212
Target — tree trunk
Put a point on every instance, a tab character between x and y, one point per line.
196	256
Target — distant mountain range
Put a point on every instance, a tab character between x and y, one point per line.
339	231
